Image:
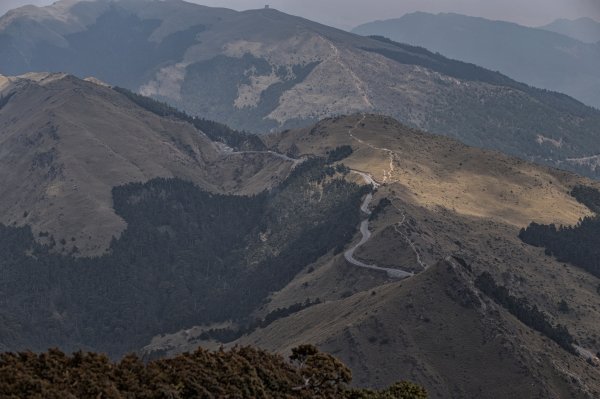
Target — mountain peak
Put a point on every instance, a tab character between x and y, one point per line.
66	142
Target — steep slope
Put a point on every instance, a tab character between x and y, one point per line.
436	329
452	214
65	143
584	29
537	57
262	70
120	218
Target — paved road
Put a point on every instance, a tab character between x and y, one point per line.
296	161
366	235
364	225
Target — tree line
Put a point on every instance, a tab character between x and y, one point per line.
187	257
578	244
528	314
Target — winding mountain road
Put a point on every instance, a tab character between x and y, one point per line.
366	234
295	161
364	225
387	175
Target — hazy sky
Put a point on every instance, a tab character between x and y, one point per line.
349	13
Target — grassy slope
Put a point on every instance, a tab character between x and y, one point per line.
457	200
67	142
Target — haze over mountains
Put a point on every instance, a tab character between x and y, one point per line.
538	57
8	5
583	29
261	70
127	224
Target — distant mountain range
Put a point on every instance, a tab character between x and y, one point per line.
264	70
537	57
584	29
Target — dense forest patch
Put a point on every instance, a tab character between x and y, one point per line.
579	244
187	257
226	335
214	130
528	314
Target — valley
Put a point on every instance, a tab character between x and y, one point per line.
202	202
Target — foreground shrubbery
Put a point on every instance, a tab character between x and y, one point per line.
238	373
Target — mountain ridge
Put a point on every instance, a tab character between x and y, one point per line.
491	44
291	72
77	140
458	210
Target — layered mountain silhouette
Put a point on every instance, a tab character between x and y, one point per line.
261	70
133	224
451	214
584	29
546	57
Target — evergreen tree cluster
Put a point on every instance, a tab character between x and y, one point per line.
379	208
528	314
242	372
214	130
579	244
588	196
187	257
339	153
226	335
